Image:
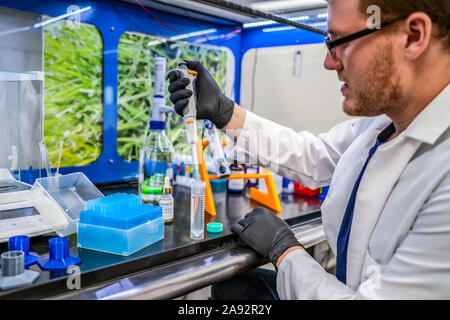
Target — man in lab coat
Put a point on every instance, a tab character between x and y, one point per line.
387	213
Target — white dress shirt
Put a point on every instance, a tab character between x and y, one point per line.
399	245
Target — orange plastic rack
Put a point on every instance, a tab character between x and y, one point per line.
269	199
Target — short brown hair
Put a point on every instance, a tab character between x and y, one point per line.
437	10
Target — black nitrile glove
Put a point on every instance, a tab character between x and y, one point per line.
212	104
266	233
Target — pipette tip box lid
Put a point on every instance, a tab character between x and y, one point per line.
119	224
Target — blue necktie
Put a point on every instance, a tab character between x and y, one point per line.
344	232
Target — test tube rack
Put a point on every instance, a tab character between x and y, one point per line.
269	199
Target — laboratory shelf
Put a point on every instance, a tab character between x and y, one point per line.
10	76
163	270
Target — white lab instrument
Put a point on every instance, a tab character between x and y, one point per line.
51	204
159	107
156	148
25	210
222	167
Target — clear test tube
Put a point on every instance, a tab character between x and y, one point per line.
197	209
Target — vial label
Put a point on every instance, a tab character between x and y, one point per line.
252	170
236	184
167	209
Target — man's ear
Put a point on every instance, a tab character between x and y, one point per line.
418	28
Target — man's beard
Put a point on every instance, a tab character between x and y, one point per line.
379	91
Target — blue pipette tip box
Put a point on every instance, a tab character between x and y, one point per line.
119	224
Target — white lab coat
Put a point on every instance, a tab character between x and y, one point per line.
399	246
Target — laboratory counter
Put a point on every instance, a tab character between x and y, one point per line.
173	266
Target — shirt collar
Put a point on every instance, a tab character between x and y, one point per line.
433	121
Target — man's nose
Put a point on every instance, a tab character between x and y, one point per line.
332	64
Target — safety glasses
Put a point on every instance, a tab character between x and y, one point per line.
331	45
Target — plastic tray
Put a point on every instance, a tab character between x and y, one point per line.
69	193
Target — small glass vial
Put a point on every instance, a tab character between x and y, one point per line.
166	201
236	185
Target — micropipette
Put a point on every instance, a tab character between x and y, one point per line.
190	117
197	186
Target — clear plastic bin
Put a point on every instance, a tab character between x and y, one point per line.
69	193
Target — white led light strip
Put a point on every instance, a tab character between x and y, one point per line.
269	22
